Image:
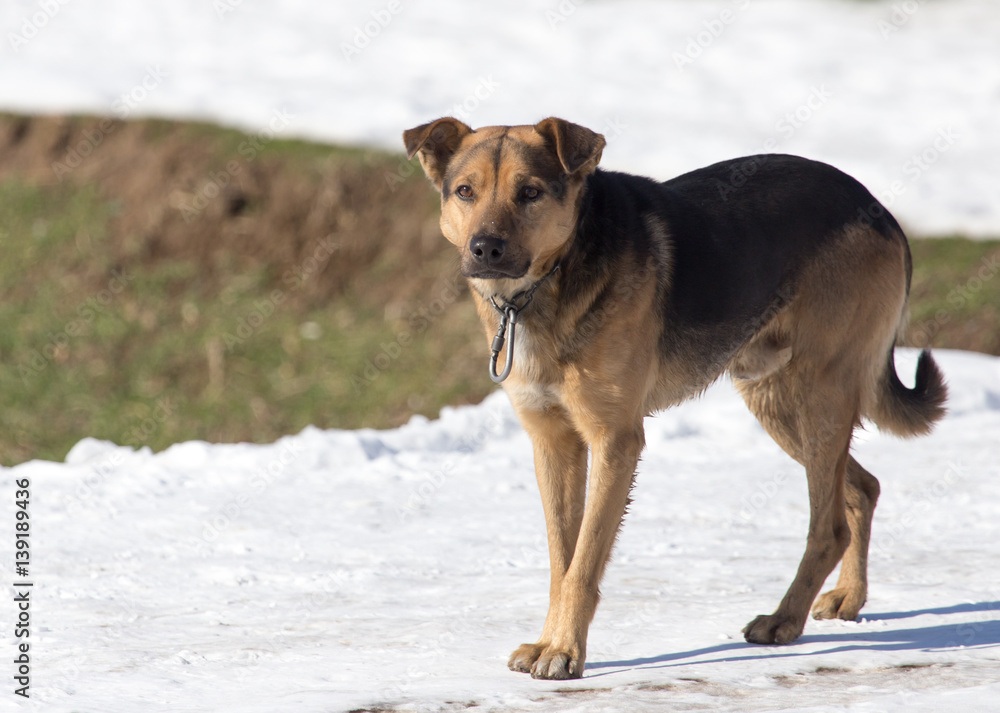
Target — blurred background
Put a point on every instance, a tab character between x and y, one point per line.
208	229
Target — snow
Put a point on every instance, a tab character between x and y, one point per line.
396	570
902	94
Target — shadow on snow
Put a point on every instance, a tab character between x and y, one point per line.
929	638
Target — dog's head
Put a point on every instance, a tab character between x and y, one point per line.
509	194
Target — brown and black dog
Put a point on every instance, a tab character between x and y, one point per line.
631	296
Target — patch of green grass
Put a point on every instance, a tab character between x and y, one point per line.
147	356
955	293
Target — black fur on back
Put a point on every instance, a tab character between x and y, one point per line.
739	232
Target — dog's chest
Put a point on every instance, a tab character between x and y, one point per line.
537	387
534	397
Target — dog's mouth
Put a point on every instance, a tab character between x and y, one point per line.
496	272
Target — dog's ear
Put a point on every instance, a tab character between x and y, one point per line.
578	148
435	143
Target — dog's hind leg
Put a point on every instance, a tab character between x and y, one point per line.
846	599
777	416
840	325
814	425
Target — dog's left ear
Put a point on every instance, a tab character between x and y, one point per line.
578	148
436	143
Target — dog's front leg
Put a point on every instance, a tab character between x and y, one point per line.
561	470
615	455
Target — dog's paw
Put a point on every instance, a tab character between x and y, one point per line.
557	664
838	604
772	629
524	657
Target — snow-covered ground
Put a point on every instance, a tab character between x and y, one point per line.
903	94
396	570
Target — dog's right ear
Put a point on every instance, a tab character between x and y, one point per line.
435	143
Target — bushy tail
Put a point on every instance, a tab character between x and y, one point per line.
910	412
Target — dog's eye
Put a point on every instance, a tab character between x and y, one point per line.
464	192
530	193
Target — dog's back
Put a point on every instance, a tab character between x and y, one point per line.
739	230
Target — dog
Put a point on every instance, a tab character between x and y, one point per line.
630	296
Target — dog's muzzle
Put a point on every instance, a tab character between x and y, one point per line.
491	260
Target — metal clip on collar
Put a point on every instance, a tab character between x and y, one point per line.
508	314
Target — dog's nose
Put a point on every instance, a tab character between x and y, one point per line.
487	249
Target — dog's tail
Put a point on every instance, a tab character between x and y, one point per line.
910	412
